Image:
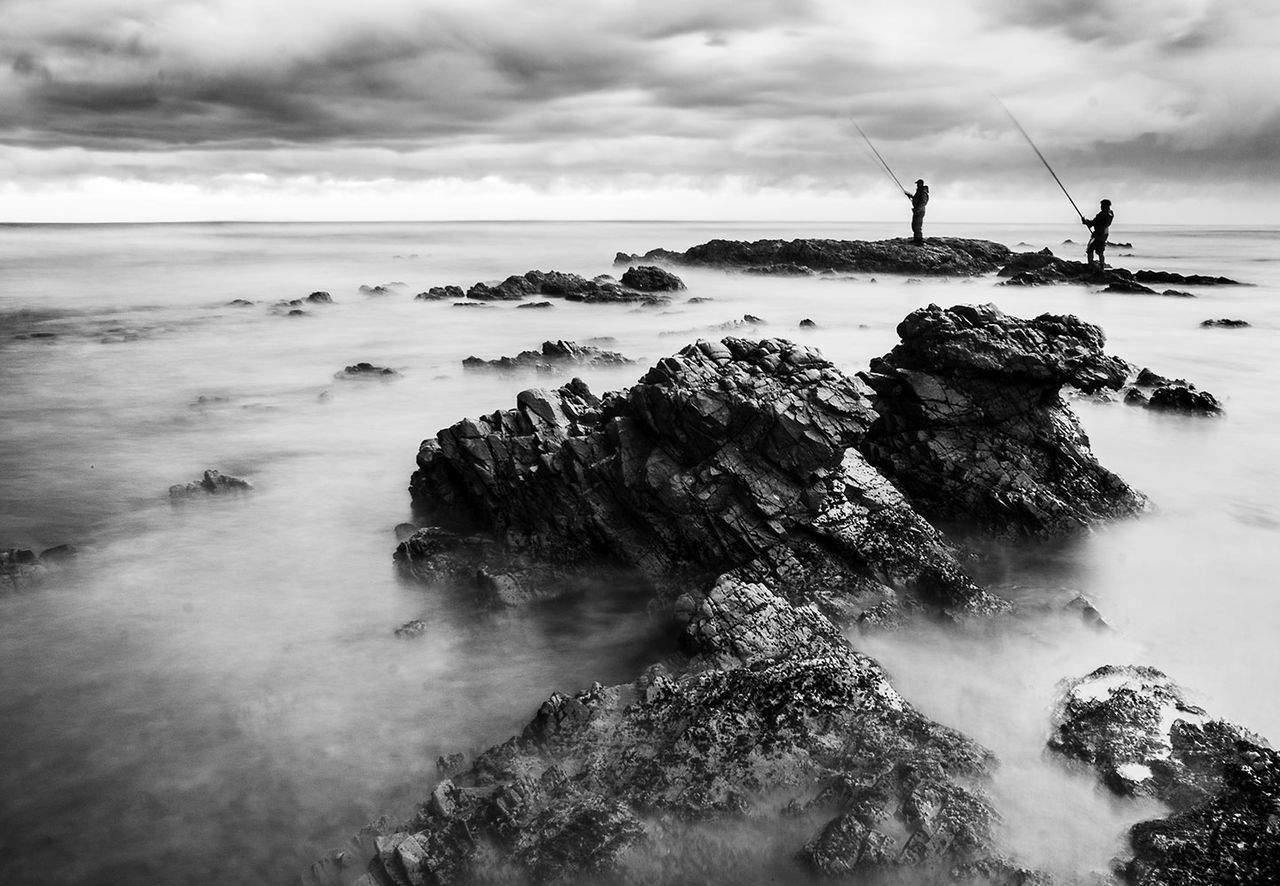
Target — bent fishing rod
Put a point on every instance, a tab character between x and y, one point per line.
1015	122
883	165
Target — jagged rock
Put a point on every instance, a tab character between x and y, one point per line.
361	371
941	255
1225	323
320	298
555	357
212	483
440	293
736	455
806	323
1134	726
973	429
647	278
598	776
1178	397
1129	286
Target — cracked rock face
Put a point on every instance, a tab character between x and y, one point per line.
1136	729
973	429
730	457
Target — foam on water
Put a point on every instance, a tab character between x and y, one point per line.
214	693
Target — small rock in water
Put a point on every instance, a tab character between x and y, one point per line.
213	483
411	629
1184	398
320	298
806	323
366	370
648	278
240	303
1225	323
535	304
440	293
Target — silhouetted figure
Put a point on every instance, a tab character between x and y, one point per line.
1100	226
919	200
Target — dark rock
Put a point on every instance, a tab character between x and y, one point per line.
572	287
320	298
59	555
1136	729
1149	379
555	357
697	300
212	483
942	255
364	371
1178	293
440	293
972	427
381	289
240	303
806	323
412	629
1135	397
297	312
535	304
647	278
1188	279
784	269
1184	398
20	569
752	319
729	456
1118	244
1225	323
1129	286
469	304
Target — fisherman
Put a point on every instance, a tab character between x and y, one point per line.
919	200
1100	226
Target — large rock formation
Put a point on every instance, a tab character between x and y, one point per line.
731	479
729	456
972	428
1136	729
952	256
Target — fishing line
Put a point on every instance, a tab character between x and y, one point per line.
1015	122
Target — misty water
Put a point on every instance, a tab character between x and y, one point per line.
213	692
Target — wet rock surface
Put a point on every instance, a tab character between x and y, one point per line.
1136	729
1184	398
212	483
951	256
1225	323
972	427
555	357
362	371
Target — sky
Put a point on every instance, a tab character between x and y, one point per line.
140	110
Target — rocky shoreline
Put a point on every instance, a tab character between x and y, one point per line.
769	502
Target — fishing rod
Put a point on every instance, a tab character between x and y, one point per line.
878	157
1015	122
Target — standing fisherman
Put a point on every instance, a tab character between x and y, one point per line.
1100	226
919	200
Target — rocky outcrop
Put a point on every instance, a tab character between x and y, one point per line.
1136	729
212	483
950	256
440	293
637	783
737	456
555	357
972	427
1044	268
1184	398
572	287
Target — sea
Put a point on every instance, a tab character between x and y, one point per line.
212	691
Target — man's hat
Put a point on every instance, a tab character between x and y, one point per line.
1106	202
919	181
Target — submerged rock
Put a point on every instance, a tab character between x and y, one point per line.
940	255
972	427
555	357
1134	726
212	483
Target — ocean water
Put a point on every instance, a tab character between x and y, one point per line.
213	693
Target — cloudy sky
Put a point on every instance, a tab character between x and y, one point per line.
440	109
